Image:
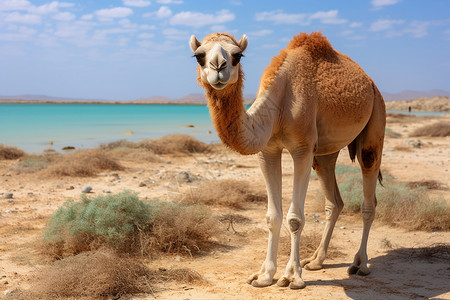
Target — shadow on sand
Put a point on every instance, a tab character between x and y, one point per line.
404	273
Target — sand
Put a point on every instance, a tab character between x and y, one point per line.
399	271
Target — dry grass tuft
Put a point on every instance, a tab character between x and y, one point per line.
7	152
440	129
402	148
175	144
226	192
83	163
179	275
309	242
392	134
398	204
428	184
97	274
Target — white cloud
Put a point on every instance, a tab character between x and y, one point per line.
17	33
64	16
163	12
14	5
278	17
136	3
175	34
384	24
169	1
328	17
260	33
355	24
197	19
116	12
87	17
145	35
127	23
418	29
381	3
147	27
16	17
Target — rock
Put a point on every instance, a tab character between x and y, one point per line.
141	184
70	188
107	191
68	148
86	189
342	227
414	143
169	162
10	201
9	196
184	176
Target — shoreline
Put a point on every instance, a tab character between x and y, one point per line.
14	101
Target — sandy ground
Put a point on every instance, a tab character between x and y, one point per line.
398	272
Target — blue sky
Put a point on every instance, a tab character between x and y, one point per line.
127	49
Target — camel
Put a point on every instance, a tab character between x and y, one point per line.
312	101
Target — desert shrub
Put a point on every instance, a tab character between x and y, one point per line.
127	225
398	204
392	134
83	163
226	192
34	163
440	129
8	152
175	144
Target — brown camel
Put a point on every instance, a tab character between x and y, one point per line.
313	101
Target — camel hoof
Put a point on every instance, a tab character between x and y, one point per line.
363	272
260	284
297	285
313	266
283	282
352	270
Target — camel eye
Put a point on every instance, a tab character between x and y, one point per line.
200	58
237	58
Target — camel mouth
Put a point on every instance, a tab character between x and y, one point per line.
218	85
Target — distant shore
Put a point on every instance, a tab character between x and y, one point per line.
98	102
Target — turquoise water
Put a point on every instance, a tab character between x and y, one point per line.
32	127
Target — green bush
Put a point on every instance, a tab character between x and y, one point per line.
125	224
398	204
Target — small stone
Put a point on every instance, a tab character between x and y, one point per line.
169	162
342	227
70	188
68	148
9	196
10	201
86	189
107	191
141	184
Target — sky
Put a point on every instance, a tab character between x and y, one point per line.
130	49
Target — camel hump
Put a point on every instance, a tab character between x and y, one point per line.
315	42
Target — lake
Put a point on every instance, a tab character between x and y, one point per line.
34	127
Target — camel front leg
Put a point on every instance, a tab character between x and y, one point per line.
270	163
296	220
325	169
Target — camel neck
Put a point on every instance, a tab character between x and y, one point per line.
243	132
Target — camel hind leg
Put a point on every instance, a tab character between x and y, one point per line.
369	147
325	169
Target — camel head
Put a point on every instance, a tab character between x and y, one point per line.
218	57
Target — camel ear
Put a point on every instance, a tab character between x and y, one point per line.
243	42
194	43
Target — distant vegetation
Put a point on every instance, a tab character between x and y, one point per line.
440	129
7	152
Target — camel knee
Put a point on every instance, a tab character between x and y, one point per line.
274	221
296	223
368	215
333	210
